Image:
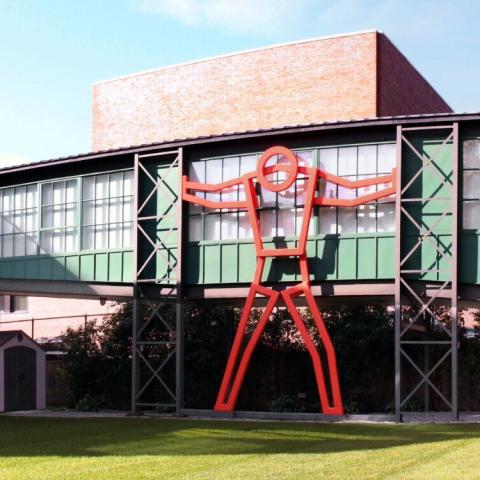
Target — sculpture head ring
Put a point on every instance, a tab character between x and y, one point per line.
290	168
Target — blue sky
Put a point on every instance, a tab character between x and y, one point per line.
51	51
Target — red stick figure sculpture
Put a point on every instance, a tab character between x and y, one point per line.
286	166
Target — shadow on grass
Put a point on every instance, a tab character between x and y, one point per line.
22	437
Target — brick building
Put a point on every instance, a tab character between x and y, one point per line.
352	76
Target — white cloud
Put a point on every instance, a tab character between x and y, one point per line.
267	16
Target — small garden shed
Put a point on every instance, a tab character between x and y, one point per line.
22	372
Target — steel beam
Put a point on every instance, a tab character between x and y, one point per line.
410	288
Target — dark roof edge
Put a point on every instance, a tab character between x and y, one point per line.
341	124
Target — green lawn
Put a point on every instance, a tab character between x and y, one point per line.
54	448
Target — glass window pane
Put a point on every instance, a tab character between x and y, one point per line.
20	197
128	209
88	188
347	161
366	218
115	235
7	222
386	217
287	197
195	227
46	242
268	223
19	303
47	194
101	211
248	163
471	215
7	246
230	168
347	220
286	222
387	157
58	215
100	234
19	245
19	221
327	189
128	183
471	184
88	213
367	159
71	214
299	222
328	160
229	225
212	227
31	220
71	191
197	172
471	153
244	226
116	181
47	217
31	244
101	186
88	238
327	220
31	196
267	198
305	157
70	239
58	192
115	210
58	241
127	234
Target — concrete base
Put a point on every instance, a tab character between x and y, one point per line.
301	417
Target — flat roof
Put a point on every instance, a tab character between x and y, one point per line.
313	127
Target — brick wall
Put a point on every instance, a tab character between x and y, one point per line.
306	82
402	90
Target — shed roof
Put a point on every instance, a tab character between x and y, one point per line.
312	127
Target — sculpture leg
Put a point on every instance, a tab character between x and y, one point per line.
235	371
288	296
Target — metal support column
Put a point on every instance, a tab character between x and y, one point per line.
157	309
420	282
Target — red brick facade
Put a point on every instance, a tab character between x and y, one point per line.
346	77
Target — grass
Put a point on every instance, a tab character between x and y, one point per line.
63	448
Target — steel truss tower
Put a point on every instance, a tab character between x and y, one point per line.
426	215
157	316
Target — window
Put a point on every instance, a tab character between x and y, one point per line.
107	211
13	304
59	231
45	218
281	213
471	184
355	163
18	226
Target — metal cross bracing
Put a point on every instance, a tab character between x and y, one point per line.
426	261
157	331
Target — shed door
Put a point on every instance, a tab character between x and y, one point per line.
20	378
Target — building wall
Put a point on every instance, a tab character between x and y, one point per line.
294	84
401	88
313	81
57	309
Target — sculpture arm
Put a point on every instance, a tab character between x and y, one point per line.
208	187
386	192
